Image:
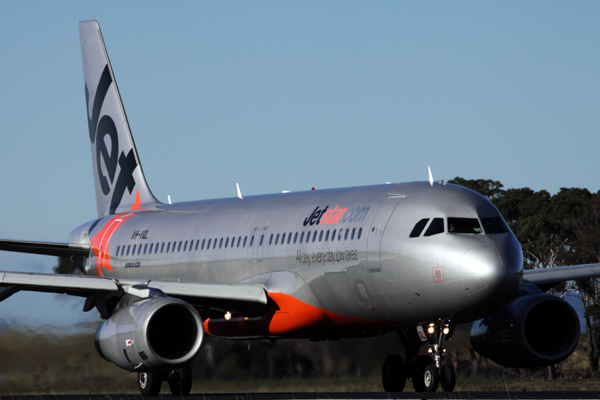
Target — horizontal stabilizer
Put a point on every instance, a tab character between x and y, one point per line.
45	248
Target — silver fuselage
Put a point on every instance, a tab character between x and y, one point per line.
384	279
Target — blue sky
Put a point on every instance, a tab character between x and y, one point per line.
290	95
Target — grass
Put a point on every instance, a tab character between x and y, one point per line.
46	361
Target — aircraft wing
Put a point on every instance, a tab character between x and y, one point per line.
45	248
240	297
546	277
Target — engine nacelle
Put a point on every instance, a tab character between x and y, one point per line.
151	335
532	330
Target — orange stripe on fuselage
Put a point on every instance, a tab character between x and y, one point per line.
100	242
287	316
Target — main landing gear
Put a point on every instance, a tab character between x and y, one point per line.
426	372
179	380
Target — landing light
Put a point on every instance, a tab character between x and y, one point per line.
431	328
430	350
446	330
227	315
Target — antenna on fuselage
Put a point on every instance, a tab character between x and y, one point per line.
239	191
430	176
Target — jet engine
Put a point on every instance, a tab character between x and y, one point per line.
532	330
153	334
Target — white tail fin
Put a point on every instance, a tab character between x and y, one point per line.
118	176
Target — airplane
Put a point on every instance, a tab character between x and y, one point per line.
414	258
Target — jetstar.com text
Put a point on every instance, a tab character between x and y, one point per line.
335	215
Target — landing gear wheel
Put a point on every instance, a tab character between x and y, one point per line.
421	363
393	374
180	381
448	378
431	378
149	383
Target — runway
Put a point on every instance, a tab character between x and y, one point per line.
320	396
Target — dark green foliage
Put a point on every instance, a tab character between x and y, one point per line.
486	187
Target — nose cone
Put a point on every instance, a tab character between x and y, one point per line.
491	271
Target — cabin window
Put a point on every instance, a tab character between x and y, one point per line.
168	247
221	243
139	249
251	241
302	236
226	242
203	243
162	247
321	236
184	245
419	226
151	246
340	235
327	235
494	225
215	243
464	226
352	236
346	235
289	238
262	238
245	237
233	241
333	235
197	244
283	238
314	236
295	237
359	233
435	227
239	241
271	239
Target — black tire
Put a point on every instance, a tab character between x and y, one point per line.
180	381
448	378
419	369
393	374
149	383
431	378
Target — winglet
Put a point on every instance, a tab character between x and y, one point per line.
430	176
239	191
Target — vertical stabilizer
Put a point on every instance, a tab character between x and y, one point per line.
119	181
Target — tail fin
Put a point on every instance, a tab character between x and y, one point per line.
119	180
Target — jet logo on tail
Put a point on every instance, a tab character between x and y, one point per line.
98	132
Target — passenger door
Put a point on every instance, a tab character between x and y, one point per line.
376	231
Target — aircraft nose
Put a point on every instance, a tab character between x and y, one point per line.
490	270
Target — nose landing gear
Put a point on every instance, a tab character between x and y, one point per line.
426	372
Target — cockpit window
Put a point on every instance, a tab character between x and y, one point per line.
465	226
494	225
419	226
436	226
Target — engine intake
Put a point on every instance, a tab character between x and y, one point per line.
151	335
531	331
